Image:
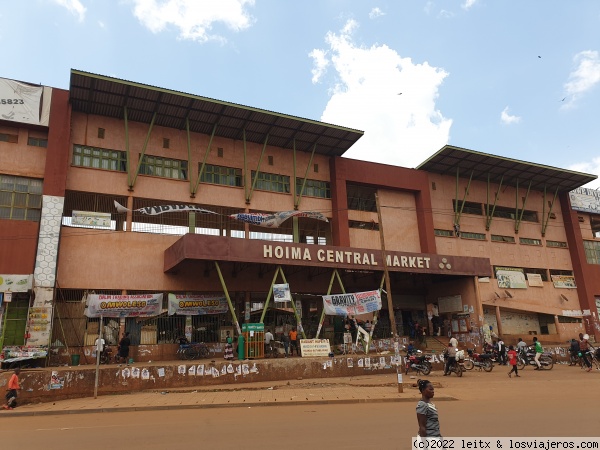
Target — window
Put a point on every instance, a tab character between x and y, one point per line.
559	244
227	176
509	213
595	224
101	133
567	319
166	143
542	272
220	152
20	198
164	167
361	198
448	233
364	225
468	208
314	188
37	142
499	238
316	168
529	241
568	273
592	251
478	236
270	159
12	138
99	158
271	182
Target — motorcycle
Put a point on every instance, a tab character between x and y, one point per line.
106	355
481	360
418	362
528	359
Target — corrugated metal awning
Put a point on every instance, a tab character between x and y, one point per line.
106	96
450	158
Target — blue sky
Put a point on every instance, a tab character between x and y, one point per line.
519	79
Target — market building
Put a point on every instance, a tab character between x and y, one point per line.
114	188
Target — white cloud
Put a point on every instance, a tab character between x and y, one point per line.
376	12
468	4
584	77
428	7
399	129
320	63
101	24
507	118
592	167
74	6
193	18
443	14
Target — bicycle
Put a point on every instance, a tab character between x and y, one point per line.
194	350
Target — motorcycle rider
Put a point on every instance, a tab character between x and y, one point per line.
538	352
450	356
522	350
584	346
574	351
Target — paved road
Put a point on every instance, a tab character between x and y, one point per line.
561	402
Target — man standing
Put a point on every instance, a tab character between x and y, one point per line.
124	348
268	338
450	355
453	342
294	342
584	346
12	388
501	352
538	352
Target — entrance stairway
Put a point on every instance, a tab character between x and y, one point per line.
436	344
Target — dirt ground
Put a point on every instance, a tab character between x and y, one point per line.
561	402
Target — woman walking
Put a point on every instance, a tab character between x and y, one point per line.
427	415
512	360
228	347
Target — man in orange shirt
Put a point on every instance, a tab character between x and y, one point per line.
294	342
13	387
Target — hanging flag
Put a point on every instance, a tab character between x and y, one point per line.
275	219
156	210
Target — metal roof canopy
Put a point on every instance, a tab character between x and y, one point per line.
106	96
450	158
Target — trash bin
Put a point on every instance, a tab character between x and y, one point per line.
74	360
240	350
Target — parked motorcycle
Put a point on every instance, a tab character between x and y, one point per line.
106	355
481	360
418	362
528	359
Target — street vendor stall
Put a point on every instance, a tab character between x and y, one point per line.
12	357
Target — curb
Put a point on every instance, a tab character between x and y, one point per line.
213	406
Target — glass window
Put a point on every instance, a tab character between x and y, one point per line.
313	188
164	167
271	182
477	236
228	176
12	138
363	225
361	198
99	158
510	213
37	142
499	238
20	198
529	241
467	208
448	233
559	244
592	251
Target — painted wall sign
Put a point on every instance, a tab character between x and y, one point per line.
15	283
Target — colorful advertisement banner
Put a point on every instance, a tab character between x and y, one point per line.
91	219
143	305
281	293
511	278
352	304
15	283
585	200
197	305
156	210
563	281
275	219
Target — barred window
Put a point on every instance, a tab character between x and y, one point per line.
448	233
271	182
558	244
164	167
374	226
529	241
592	251
500	238
99	158
477	236
228	176
20	198
37	142
314	188
468	207
510	213
361	198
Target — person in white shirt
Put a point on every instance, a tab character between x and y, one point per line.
100	344
268	339
453	342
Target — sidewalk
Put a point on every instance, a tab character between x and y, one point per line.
363	389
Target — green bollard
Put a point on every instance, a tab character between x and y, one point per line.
241	355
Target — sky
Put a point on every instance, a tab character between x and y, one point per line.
519	79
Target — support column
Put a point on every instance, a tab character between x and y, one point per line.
498	322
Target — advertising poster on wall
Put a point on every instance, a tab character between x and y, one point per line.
352	304
452	303
510	278
22	102
585	200
143	305
534	279
197	305
281	293
564	281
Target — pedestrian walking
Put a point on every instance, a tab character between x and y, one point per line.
501	352
11	391
512	360
286	343
124	348
427	415
294	341
228	347
538	352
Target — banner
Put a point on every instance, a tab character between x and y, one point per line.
563	281
281	293
352	304
535	279
275	219
20	102
586	200
314	347
15	283
143	305
197	305
510	277
156	210
91	219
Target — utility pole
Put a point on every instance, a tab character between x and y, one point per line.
386	273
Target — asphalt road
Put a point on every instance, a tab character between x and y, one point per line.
561	402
